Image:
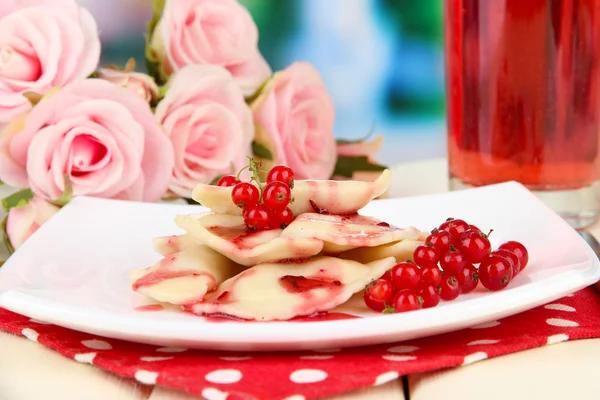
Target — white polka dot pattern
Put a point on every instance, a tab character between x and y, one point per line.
85	358
561	337
317	357
224	376
482	341
146	377
30	334
565	323
394	357
213	394
386	377
153	359
490	324
471	358
97	344
559	307
402	349
308	376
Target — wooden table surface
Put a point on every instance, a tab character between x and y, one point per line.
568	370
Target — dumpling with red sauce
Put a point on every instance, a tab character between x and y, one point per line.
282	291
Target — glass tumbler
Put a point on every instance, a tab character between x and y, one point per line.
523	99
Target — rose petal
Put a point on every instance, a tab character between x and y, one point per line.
20	225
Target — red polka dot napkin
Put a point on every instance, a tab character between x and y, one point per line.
311	375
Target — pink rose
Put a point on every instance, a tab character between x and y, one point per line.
43	44
140	83
102	136
216	32
294	117
209	123
23	221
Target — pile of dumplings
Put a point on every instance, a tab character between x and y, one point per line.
318	262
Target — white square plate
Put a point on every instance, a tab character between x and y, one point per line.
73	273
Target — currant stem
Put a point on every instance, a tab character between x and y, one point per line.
241	170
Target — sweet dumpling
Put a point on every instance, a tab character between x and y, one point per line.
278	291
184	277
337	197
228	235
340	233
401	251
166	245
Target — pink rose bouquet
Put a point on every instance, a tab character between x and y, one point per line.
69	127
205	116
44	43
102	136
214	32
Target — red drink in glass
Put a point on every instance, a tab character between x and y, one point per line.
523	98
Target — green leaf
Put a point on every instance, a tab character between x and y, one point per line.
360	140
346	166
261	151
17	199
216	180
67	194
254	96
5	237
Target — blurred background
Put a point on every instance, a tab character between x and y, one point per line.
381	60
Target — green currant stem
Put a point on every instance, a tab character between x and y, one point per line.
254	168
241	170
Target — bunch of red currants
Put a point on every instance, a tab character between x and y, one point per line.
456	256
265	206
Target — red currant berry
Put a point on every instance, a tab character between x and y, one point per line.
495	273
431	276
453	261
407	300
277	195
258	217
405	275
468	279
446	224
512	258
457	227
474	245
387	275
440	240
228	180
245	194
519	250
449	289
283	174
425	256
282	218
474	228
430	296
378	294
